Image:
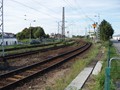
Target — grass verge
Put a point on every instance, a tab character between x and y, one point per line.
99	83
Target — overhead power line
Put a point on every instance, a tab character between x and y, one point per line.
76	7
44	6
83	11
33	8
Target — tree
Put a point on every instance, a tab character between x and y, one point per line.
25	33
19	36
39	33
31	32
47	36
106	30
0	35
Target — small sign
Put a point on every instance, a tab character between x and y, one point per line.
94	25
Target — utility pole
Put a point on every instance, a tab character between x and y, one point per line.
31	30
98	32
86	33
2	29
30	36
2	25
58	27
63	23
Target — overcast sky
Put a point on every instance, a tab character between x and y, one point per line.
79	14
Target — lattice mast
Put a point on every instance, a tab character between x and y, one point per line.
63	23
2	25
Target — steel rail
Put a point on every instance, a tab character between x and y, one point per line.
22	54
24	47
13	78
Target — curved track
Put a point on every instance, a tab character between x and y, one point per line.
32	46
13	78
11	56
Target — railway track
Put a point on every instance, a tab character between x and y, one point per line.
32	46
22	54
21	75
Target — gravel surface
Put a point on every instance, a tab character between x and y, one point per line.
31	59
49	79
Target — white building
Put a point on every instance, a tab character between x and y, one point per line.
116	37
9	39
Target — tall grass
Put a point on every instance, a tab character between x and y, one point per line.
114	74
75	69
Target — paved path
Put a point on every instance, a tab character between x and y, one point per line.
117	45
78	82
97	68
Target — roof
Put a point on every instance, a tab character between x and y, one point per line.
116	35
8	35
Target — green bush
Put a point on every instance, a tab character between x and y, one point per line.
55	44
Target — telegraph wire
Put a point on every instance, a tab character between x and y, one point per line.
44	6
77	6
83	11
69	3
33	8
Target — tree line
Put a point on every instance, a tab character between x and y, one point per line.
32	32
105	31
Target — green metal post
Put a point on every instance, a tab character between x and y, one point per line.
108	54
107	71
107	79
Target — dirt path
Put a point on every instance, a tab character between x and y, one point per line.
90	80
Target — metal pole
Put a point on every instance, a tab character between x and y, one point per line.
63	23
108	54
86	32
114	58
58	27
107	71
107	79
2	26
30	33
31	30
58	30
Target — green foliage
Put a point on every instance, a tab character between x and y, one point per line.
100	79
106	43
0	35
106	30
39	33
47	36
55	44
115	70
31	32
78	36
64	43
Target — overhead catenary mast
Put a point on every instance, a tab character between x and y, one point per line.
2	25
63	23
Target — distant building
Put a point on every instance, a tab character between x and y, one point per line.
116	37
9	39
56	36
91	34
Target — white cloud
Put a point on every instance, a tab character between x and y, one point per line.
47	12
